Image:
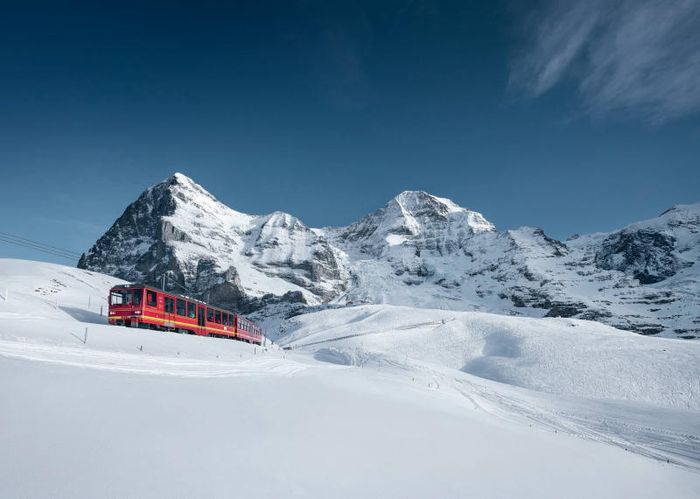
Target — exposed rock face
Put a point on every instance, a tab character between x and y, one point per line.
135	242
418	250
205	249
645	254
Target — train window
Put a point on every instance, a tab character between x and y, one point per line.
126	297
169	305
218	317
191	310
180	304
118	297
151	298
210	315
224	318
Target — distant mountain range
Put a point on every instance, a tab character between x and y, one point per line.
419	250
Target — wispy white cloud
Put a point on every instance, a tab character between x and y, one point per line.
636	56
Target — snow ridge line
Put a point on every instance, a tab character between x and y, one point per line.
367	333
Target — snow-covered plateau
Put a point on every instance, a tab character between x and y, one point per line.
374	400
419	250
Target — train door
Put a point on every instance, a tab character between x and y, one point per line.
151	309
169	309
201	321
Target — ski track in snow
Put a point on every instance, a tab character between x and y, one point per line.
593	421
651	441
586	421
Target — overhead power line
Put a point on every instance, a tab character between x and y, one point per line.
31	241
38	246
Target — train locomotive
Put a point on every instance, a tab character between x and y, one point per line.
141	306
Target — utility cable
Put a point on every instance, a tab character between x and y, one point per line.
38	246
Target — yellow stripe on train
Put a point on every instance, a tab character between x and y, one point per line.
225	331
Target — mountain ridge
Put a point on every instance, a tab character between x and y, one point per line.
418	250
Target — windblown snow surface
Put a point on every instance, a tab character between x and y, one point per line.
370	401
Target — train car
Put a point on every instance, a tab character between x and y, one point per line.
141	306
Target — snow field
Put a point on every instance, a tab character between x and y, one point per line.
479	405
562	356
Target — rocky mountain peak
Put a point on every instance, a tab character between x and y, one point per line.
186	190
417	202
682	218
178	229
419	208
177	182
180	178
415	216
683	210
654	250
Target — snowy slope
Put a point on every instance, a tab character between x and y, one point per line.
37	290
409	410
418	250
572	376
560	356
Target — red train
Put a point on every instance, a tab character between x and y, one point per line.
137	305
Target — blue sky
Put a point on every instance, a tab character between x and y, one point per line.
571	116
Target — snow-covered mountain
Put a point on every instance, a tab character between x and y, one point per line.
242	261
418	250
